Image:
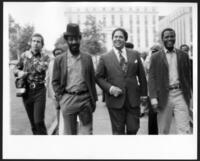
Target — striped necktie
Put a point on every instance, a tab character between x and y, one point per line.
122	62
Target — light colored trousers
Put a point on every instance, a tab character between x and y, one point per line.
82	130
177	107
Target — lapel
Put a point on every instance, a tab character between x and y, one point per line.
115	61
64	66
164	58
178	59
128	58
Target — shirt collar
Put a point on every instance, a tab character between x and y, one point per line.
117	51
36	54
168	52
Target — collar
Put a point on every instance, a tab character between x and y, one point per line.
29	54
116	50
36	54
168	52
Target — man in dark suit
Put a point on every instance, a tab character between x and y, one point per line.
116	74
170	85
74	84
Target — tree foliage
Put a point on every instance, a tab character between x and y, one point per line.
19	37
93	39
61	43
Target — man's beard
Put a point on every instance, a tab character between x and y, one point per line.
74	49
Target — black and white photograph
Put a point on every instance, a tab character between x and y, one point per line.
100	80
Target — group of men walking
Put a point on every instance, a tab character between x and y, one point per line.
122	77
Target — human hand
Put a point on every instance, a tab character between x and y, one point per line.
21	74
115	91
143	107
155	107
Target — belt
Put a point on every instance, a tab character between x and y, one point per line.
76	92
34	85
172	87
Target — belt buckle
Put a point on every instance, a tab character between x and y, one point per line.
32	85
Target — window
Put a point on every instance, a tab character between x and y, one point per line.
70	18
154	20
138	36
113	20
145	20
78	19
138	19
146	37
154	33
131	23
104	20
121	20
131	38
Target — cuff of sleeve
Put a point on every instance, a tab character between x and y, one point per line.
154	101
110	89
143	97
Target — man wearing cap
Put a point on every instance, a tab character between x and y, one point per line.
116	74
170	85
74	84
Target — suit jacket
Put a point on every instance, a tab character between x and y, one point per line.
59	80
109	73
159	76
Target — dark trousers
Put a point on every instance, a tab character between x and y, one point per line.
125	120
152	121
34	102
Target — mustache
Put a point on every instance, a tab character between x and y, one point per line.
74	45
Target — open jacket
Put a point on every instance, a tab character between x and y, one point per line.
59	79
159	76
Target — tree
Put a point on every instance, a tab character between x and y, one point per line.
24	38
61	43
19	37
93	39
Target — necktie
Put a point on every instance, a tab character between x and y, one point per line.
122	62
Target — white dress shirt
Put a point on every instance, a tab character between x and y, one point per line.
123	50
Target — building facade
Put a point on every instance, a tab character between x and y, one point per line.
141	23
181	21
